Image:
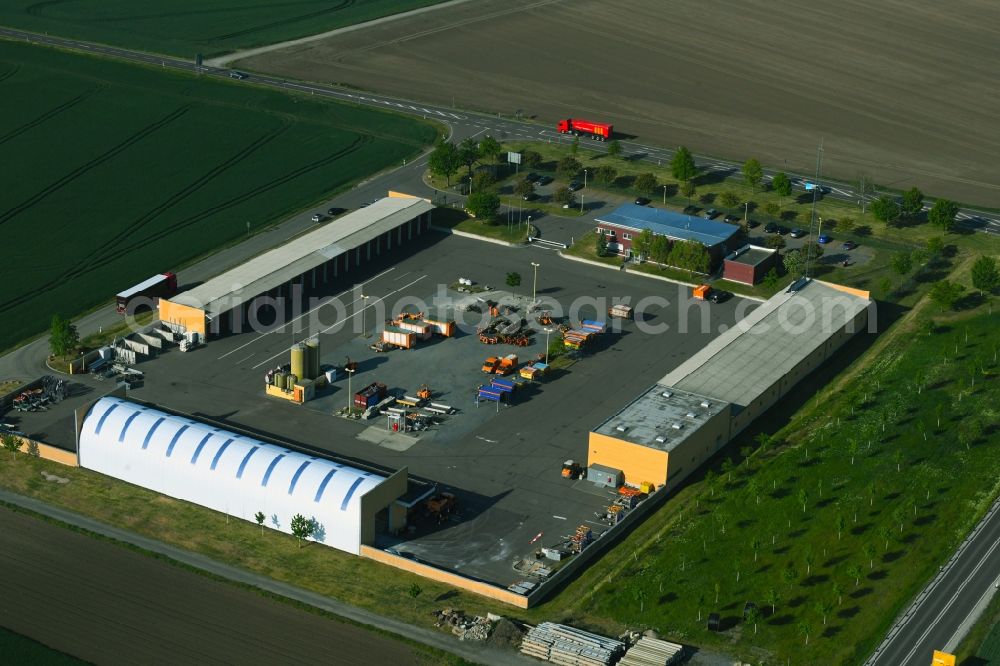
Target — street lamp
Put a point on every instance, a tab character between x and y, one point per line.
350	373
534	282
547	332
528	226
746	207
664	195
585	178
581	204
364	307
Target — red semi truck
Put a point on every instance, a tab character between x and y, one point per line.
158	286
599	131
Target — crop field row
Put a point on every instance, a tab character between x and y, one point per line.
186	27
123	171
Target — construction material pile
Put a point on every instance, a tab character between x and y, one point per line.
583	538
466	627
652	652
560	644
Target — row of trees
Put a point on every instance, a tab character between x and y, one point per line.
686	255
447	158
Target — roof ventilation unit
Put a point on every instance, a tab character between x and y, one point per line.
691	415
677	426
666	394
621	428
661	438
704	403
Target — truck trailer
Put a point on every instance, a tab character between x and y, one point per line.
156	287
599	131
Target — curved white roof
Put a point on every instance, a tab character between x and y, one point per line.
224	471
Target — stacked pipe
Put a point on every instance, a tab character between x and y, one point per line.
564	645
652	652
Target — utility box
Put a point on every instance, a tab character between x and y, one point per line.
606	477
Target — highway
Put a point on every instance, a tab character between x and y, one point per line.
467	123
945	610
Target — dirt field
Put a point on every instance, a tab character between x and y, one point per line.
109	605
905	91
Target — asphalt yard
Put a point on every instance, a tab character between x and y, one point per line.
502	462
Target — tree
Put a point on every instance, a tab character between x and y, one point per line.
846	224
605	174
414	591
468	154
443	161
63	336
524	188
482	181
840	523
490	149
531	159
913	202
682	165
804	629
259	517
794	262
513	281
807	559
727	469
659	250
763	441
729	199
885	209
823	608
985	276
688	190
710	478
934	246
771	279
777	241
12	443
855	572
564	196
643	242
853	449
615	149
772	208
483	205
901	263
753	617
945	294
789	574
771	598
755	544
745	452
640	595
803	498
838	591
753	487
302	527
568	167
885	533
781	184
753	173
644	183
602	245
942	214
718	588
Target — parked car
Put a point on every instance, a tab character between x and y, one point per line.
531	177
771	228
641	201
238	75
711	214
823	239
544	180
849	245
317	217
529	196
333	212
752	224
718	296
731	219
797	233
574	186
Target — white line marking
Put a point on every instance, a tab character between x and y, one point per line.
490	441
559	517
326	302
245	359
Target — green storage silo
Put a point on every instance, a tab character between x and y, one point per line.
299	363
312	358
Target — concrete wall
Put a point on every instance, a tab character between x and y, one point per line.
639	463
378	498
698	447
433	573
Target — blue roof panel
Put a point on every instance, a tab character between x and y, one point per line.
671	224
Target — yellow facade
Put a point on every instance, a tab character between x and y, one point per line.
192	319
943	659
640	464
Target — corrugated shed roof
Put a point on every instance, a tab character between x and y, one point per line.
276	267
668	223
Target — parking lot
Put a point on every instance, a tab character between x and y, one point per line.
502	464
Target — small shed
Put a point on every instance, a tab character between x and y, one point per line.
607	477
749	264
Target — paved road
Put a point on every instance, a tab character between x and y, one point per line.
947	608
465	123
110	605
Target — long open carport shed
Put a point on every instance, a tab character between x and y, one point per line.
309	261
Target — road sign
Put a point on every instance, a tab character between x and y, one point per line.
514	158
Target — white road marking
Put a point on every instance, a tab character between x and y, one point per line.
245	359
559	517
491	441
326	302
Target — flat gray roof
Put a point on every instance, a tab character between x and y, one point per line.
750	255
276	267
661	418
749	358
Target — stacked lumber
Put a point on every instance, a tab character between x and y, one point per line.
652	652
567	646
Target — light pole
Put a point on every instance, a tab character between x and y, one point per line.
664	195
547	331
746	208
534	283
581	204
528	227
364	307
350	373
585	179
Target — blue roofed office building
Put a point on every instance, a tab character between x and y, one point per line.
624	224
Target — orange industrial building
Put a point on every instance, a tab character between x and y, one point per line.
675	426
305	263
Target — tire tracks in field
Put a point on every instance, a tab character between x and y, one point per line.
9	73
81	170
235	200
50	114
110	245
285	21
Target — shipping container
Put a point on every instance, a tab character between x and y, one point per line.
155	288
370	395
393	335
421	329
